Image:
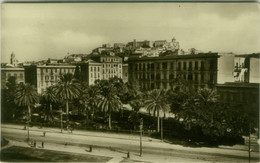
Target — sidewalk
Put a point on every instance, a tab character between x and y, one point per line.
84	133
111	142
117	156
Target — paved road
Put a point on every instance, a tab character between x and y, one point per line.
153	150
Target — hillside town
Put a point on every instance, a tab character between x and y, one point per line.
130	82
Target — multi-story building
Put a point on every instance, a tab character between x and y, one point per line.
159	43
246	68
200	70
243	92
43	76
17	72
101	67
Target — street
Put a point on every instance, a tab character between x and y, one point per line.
117	145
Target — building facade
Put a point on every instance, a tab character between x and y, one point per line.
43	76
18	73
160	72
101	67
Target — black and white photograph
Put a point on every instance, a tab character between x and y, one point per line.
125	82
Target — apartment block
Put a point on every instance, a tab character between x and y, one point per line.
101	67
160	72
17	72
43	76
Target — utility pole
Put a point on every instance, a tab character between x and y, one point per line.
162	129
141	132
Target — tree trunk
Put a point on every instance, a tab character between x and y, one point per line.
51	112
28	122
67	113
158	121
109	120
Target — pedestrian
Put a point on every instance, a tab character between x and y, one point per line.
42	144
44	132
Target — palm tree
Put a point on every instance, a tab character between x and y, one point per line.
26	95
206	96
156	101
89	99
66	90
109	101
49	97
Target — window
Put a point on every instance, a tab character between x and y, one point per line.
179	65
196	77
158	76
190	77
190	65
158	65
211	64
152	76
196	65
202	77
164	65
46	70
55	70
171	65
152	85
202	65
91	69
171	76
152	66
184	65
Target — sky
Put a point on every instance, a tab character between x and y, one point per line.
41	31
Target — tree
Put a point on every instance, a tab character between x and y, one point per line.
156	101
7	99
213	118
26	95
109	101
48	98
89	99
66	90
